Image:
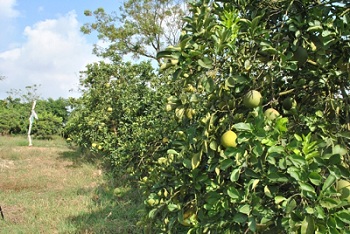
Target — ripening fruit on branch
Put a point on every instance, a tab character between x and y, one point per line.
300	55
289	103
228	139
271	114
252	99
110	109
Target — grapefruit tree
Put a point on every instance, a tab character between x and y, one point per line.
281	176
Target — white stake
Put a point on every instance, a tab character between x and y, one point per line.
32	116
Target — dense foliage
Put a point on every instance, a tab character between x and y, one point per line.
121	114
14	116
281	176
283	173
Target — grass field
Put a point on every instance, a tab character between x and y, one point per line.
51	188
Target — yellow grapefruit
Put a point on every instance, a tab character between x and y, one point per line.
271	114
228	139
252	99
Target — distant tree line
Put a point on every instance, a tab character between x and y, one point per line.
15	112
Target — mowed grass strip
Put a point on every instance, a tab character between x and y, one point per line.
50	188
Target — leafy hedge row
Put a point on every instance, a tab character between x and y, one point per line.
165	128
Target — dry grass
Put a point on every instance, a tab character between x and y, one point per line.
50	188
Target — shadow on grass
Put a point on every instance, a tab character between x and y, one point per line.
114	210
79	157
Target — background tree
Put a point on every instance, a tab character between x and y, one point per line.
140	28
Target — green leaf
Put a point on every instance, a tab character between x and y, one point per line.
281	124
226	164
255	183
276	149
213	145
168	54
206	63
172	207
235	174
291	204
298	138
328	182
196	159
307	187
245	209
269	50
308	225
315	28
344	216
172	151
233	193
315	178
252	224
329	203
335	159
267	191
337	149
243	127
240	218
187	163
279	199
297	160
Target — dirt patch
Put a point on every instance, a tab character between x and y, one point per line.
13	214
6	164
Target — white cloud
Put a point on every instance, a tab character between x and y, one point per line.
7	9
52	56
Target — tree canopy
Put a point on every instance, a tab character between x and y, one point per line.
140	28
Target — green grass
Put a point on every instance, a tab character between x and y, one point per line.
51	188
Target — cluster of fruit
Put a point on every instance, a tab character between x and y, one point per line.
254	99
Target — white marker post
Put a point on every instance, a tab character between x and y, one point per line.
33	116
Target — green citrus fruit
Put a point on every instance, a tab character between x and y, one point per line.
252	99
271	114
289	103
300	55
110	109
228	139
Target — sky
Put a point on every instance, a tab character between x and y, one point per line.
41	44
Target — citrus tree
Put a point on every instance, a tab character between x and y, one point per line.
121	115
263	121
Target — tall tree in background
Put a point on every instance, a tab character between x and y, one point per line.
140	28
